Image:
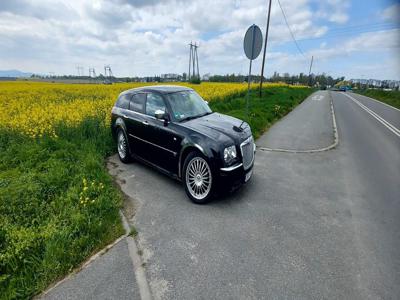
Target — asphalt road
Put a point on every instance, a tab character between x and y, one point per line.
110	276
308	225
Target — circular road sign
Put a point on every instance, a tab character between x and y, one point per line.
252	42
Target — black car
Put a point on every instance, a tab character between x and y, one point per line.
174	130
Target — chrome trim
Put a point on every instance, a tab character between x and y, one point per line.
198	178
141	114
134	136
245	142
229	169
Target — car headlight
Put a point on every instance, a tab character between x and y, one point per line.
230	154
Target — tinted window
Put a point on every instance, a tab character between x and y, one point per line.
187	104
154	102
137	102
123	101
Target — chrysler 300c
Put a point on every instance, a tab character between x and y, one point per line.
174	130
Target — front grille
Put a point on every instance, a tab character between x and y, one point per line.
247	148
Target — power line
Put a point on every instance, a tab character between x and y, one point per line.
346	33
290	30
365	25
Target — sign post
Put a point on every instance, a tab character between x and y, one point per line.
252	45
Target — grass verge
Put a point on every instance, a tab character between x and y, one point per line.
389	97
58	204
275	103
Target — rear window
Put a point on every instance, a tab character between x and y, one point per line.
123	101
137	102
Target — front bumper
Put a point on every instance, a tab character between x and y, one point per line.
236	175
228	180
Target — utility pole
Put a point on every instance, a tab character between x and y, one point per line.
309	72
92	72
193	61
265	47
197	61
190	59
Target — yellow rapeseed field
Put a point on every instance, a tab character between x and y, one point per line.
33	108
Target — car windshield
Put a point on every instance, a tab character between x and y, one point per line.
187	105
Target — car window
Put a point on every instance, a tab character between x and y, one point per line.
123	101
154	102
137	102
187	104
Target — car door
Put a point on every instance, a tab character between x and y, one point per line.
135	121
161	136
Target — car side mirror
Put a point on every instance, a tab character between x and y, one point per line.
160	114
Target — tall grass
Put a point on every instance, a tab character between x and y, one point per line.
57	204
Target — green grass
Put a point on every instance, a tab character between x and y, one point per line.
58	204
263	112
389	97
45	229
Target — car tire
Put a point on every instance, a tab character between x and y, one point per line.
198	178
123	146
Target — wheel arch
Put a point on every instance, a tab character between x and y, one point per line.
119	123
207	151
186	149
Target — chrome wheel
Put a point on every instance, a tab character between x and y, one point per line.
198	178
121	145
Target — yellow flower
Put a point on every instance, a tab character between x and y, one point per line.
34	108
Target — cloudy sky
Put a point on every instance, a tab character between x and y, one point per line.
356	39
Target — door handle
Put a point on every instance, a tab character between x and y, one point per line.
145	123
125	116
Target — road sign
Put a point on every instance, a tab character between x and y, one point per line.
252	45
252	42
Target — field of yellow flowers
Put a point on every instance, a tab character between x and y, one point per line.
58	204
33	108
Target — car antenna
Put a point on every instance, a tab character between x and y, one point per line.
238	129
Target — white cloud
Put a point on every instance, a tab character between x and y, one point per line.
335	11
140	37
392	13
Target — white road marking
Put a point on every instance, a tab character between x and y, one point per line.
389	126
317	97
380	102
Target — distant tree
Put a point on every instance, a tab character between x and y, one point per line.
195	80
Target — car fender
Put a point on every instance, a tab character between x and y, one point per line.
206	150
119	122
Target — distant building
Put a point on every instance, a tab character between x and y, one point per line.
206	77
376	83
170	77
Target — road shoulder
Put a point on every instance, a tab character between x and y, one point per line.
109	276
310	127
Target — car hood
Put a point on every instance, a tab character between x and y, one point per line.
221	128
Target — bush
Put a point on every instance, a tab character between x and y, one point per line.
195	80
